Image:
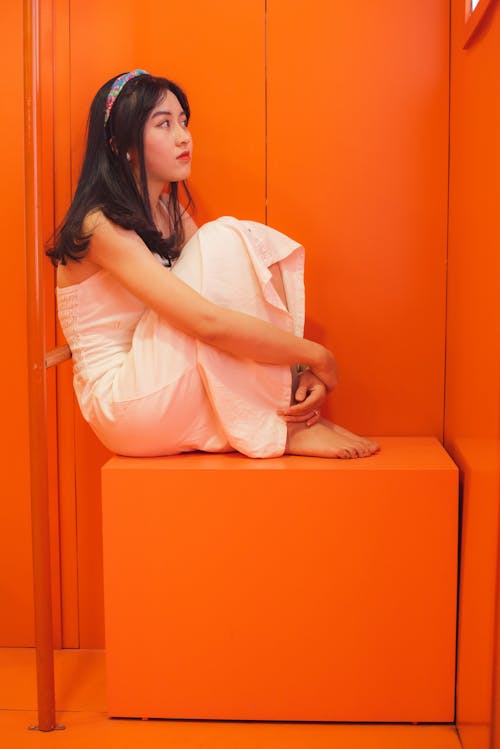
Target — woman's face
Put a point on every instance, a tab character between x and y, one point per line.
167	143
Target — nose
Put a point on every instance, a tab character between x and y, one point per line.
182	135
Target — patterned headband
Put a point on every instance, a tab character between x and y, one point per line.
116	89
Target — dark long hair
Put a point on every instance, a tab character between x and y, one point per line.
107	181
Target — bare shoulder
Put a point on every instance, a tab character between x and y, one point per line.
76	271
109	242
93	221
98	225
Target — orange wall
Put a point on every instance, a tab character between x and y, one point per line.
473	356
16	622
377	107
228	125
358	171
356	147
357	141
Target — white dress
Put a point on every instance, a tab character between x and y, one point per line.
148	389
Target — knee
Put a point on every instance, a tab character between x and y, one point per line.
220	238
222	225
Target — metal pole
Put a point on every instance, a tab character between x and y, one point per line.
36	378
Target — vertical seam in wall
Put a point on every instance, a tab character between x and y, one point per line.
75	482
56	374
447	252
495	660
70	123
57	64
266	150
447	243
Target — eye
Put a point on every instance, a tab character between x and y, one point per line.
165	123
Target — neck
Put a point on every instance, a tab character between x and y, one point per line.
154	197
154	191
160	216
157	210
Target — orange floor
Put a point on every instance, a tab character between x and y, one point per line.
81	708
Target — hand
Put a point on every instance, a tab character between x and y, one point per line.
309	396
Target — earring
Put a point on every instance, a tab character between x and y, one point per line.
128	156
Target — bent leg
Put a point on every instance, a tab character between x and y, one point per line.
253	269
231	263
247	267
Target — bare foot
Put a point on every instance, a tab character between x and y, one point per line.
327	440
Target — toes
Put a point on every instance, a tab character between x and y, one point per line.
373	448
360	450
369	447
365	448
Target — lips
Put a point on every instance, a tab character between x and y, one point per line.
184	156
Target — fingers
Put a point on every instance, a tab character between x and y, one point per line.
307	411
314	418
300	393
309	397
313	401
310	417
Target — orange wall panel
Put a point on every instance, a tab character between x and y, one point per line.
223	74
46	197
496	658
479	463
16	622
68	527
472	395
358	171
472	424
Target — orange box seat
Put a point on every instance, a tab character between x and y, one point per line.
283	589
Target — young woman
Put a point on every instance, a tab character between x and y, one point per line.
182	339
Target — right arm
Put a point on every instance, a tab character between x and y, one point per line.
125	255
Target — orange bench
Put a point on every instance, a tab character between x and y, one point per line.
285	589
